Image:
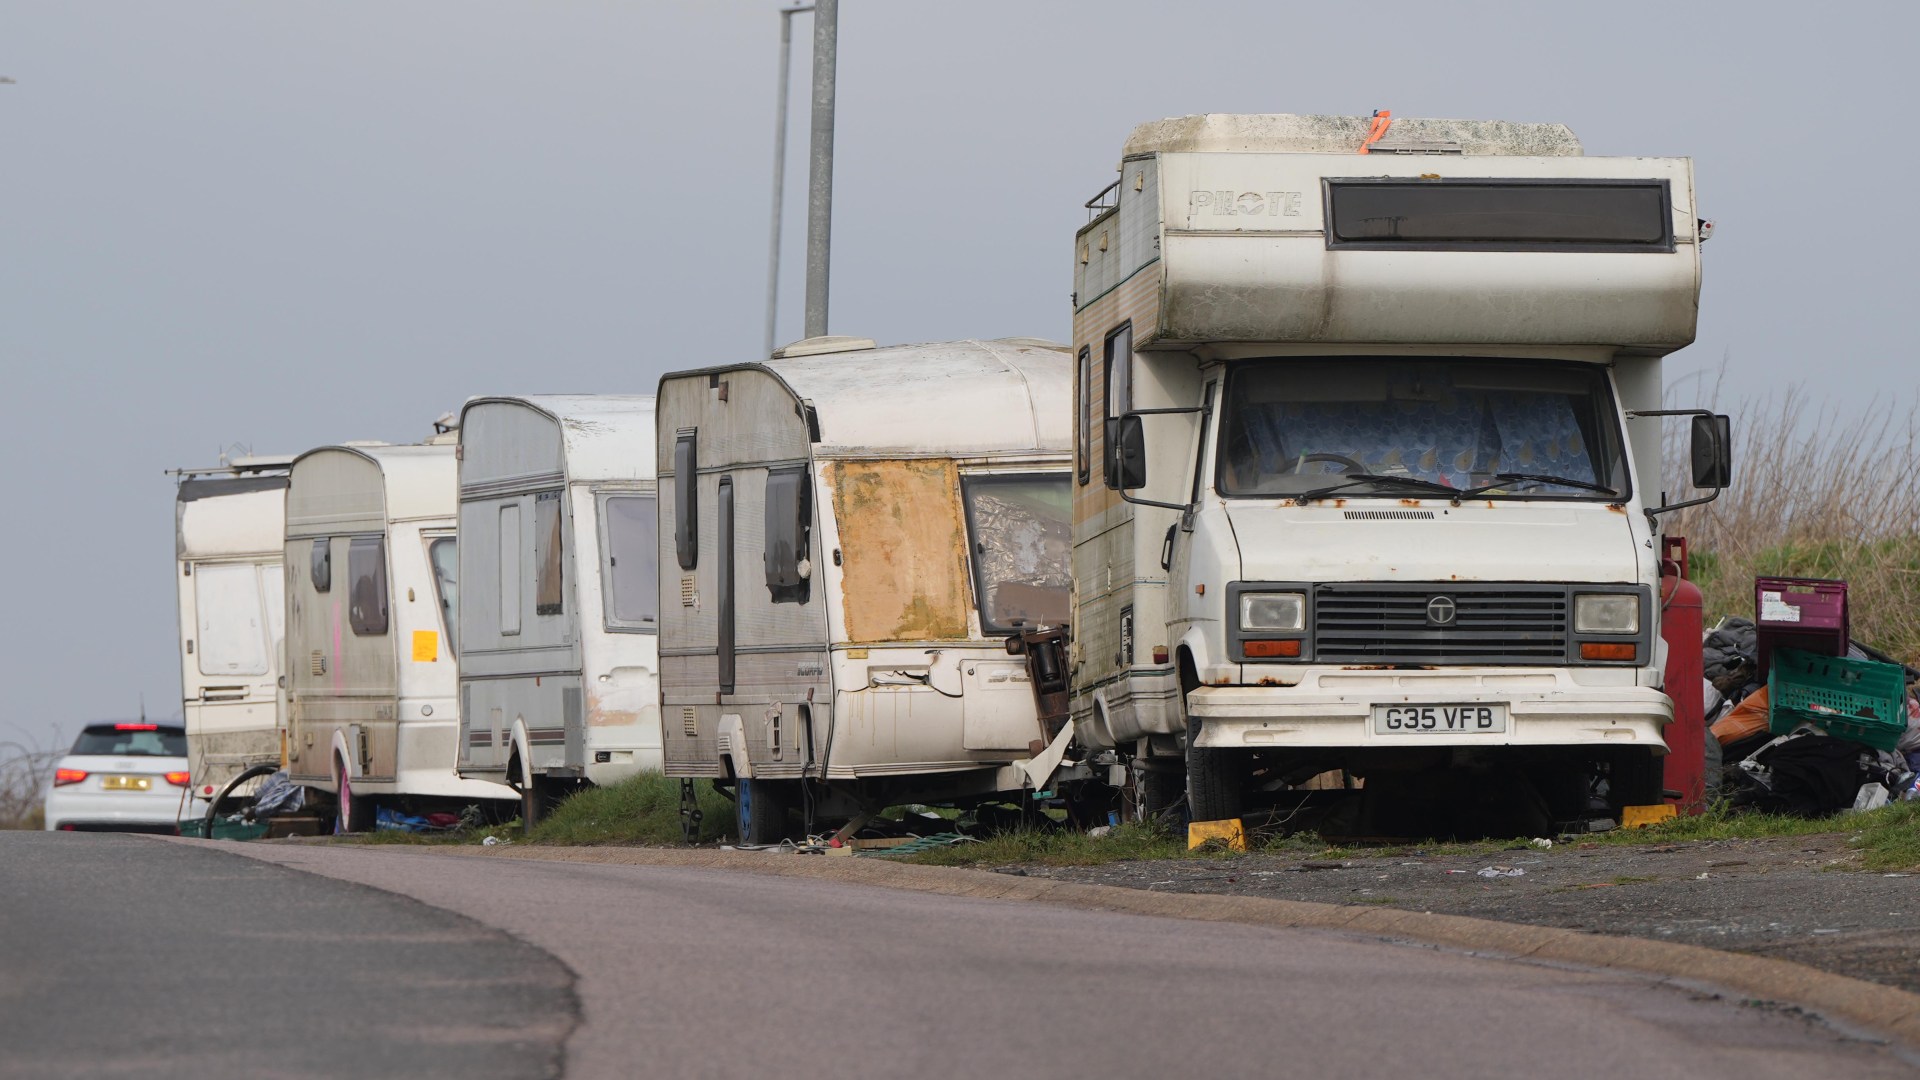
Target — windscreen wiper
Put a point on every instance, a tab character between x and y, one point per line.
1356	479
1505	478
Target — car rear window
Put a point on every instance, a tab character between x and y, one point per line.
132	740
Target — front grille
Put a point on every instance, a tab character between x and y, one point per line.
1494	624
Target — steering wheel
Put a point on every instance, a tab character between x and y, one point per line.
1338	459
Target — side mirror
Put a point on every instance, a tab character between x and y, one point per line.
1126	453
1712	452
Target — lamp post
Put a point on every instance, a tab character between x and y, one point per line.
780	170
826	18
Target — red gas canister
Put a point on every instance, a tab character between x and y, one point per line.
1681	627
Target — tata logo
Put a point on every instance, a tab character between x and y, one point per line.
1245	203
1441	611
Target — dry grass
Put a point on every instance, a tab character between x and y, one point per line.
1815	494
24	771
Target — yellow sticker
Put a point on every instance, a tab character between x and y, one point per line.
426	646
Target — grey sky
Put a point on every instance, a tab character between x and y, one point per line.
291	224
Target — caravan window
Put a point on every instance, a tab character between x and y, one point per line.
232	635
547	554
320	565
1117	376
686	518
445	558
1084	443
367	577
1500	215
510	569
789	530
632	561
1022	532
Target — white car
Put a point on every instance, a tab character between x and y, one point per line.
121	777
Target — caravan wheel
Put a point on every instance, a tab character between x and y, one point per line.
1214	780
355	814
760	811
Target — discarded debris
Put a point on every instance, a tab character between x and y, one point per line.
1501	871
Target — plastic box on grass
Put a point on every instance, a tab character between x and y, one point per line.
1860	700
1809	614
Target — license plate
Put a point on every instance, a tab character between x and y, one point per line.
126	783
1439	719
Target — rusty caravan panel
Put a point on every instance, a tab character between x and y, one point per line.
905	574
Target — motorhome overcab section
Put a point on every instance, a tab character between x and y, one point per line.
848	536
227	551
1368	480
371	562
559	639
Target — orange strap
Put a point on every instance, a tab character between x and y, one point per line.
1382	119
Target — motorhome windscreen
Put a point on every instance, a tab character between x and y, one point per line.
443	553
1500	215
1022	532
632	571
1291	426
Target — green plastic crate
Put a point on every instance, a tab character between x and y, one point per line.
1864	701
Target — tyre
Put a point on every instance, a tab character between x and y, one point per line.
355	814
1636	778
1159	793
538	797
1216	780
760	811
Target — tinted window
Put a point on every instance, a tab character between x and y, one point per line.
1022	531
548	563
686	531
789	524
232	636
633	553
1117	376
321	565
445	557
131	740
367	577
1501	215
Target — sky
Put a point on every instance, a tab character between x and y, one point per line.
276	226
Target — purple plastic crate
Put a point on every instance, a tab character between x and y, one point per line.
1809	614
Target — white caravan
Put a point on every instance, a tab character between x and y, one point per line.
227	552
371	575
1366	474
907	510
559	628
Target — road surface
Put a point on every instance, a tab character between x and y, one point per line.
384	961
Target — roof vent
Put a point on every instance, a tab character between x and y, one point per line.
820	346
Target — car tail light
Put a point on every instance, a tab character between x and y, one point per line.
179	779
136	727
63	777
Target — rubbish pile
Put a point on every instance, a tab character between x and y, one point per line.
1802	719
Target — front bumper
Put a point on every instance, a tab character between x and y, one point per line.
1544	708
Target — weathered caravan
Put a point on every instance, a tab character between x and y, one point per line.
847	534
1367	478
370	556
227	549
559	631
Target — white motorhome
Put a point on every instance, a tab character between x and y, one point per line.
1368	478
371	561
227	554
906	509
559	628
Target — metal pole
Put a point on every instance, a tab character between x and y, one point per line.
826	19
779	171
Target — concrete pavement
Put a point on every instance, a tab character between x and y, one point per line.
716	973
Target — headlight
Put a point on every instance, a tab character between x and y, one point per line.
1273	611
1606	613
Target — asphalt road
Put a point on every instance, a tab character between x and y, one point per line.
712	973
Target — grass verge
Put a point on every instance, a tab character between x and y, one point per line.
642	810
